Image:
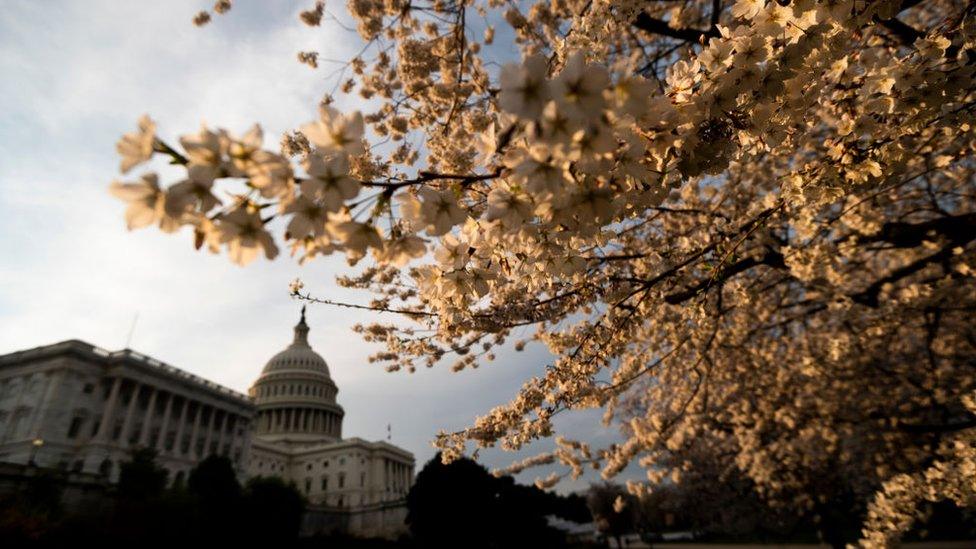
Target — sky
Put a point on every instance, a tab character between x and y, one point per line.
77	75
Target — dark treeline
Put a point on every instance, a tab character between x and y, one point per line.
463	505
454	505
212	507
730	510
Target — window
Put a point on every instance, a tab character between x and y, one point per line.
342	480
325	464
342	461
308	485
76	424
362	479
325	482
308	466
88	388
105	469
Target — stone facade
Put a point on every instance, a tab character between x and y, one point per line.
73	406
80	409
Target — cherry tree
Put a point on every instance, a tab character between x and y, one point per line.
743	229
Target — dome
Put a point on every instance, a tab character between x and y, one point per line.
296	397
298	356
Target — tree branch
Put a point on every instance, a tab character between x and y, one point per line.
772	259
958	228
906	33
649	24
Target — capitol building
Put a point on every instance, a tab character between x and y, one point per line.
79	408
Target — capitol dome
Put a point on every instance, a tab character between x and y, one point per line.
295	395
299	355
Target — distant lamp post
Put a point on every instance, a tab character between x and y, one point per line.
35	447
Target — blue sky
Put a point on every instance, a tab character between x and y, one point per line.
76	75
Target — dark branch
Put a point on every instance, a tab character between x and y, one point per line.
938	428
905	33
772	259
649	24
957	228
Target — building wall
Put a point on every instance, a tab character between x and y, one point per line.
348	473
90	407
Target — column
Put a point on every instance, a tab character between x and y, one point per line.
178	444
49	398
236	420
129	412
109	411
210	428
147	421
196	431
161	439
8	431
223	433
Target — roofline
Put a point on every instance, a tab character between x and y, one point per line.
100	355
356	441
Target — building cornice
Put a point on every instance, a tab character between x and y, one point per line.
129	358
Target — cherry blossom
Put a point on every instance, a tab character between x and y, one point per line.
336	132
137	147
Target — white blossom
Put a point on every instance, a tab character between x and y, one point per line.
137	147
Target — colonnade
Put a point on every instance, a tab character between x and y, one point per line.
300	420
397	475
223	430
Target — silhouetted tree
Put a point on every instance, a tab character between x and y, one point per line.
214	485
214	480
272	509
613	509
25	515
141	478
462	504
